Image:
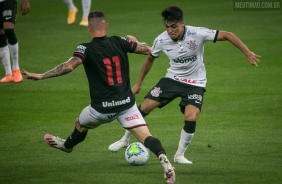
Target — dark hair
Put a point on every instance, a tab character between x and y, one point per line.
173	14
96	14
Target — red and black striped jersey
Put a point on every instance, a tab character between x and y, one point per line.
106	65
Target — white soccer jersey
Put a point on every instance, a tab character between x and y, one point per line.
186	55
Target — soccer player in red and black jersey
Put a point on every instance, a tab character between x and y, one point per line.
106	65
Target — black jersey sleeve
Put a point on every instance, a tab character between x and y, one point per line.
80	51
130	46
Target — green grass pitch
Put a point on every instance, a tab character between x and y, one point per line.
241	116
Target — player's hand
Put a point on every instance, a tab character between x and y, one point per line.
25	7
253	58
136	88
32	76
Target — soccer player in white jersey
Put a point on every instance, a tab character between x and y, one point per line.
8	41
186	75
86	6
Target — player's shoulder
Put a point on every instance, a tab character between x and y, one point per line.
197	30
163	35
81	48
162	38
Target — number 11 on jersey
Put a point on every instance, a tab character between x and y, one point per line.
108	63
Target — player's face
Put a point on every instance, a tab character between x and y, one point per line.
174	29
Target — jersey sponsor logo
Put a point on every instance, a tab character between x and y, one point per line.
184	80
192	44
186	60
156	92
114	103
80	49
129	118
198	98
7	13
112	116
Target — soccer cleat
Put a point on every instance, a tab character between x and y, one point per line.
72	16
169	173
118	145
7	78
56	142
181	159
17	76
84	22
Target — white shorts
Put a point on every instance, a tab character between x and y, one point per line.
129	118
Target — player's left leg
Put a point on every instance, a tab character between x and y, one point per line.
86	6
14	52
9	26
187	133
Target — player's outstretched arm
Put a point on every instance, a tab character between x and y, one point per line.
62	69
142	47
252	57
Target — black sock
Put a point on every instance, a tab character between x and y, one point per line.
144	114
154	145
189	127
74	138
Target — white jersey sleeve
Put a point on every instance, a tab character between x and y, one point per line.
185	55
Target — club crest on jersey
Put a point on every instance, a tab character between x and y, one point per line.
192	44
156	92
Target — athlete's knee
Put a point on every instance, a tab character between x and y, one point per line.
11	36
79	127
143	111
189	126
191	113
3	38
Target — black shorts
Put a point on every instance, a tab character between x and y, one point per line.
8	11
167	90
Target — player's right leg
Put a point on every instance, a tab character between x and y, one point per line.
72	11
145	108
5	56
153	144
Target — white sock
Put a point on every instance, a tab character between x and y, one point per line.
70	5
86	6
5	56
14	51
126	136
185	139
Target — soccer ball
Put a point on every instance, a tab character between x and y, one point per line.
136	154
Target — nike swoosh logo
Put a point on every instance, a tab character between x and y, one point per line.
7	18
169	50
197	102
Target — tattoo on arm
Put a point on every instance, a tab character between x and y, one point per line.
143	48
63	68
